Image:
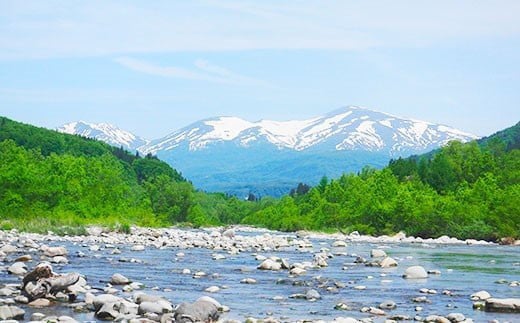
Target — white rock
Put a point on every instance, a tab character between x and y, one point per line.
388	262
137	248
377	253
339	244
415	272
212	289
118	279
480	296
18	268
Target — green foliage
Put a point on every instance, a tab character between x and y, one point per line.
66	182
462	190
62	183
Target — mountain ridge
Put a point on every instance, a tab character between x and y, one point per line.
342	140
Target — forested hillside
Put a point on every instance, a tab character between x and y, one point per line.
462	190
53	181
49	180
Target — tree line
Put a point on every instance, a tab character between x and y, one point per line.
49	179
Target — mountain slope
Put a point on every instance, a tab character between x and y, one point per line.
104	132
268	157
351	128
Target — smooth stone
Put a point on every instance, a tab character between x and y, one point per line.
312	294
297	271
218	257
159	307
415	272
55	251
508	305
260	257
437	319
137	248
107	312
339	244
360	287
118	279
342	306
456	317
212	289
248	281
377	253
388	262
373	310
11	313
270	264
387	305
205	309
8	249
345	320
24	258
40	302
18	268
59	260
37	316
229	233
21	299
420	299
99	300
6	291
480	296
186	271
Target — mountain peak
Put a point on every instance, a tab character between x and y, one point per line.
105	132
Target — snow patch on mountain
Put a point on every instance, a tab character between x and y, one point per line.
104	132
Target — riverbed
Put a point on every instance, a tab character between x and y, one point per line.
458	270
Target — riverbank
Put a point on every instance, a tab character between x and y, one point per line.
263	274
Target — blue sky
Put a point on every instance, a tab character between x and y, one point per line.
153	67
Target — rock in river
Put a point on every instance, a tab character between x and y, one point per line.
509	305
205	309
377	253
388	262
270	264
18	268
415	272
11	313
480	296
118	279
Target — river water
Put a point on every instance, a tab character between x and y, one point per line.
464	270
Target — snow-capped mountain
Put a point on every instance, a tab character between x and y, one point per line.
351	128
105	132
232	155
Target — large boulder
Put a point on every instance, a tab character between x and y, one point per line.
118	279
18	268
509	305
480	296
205	309
54	251
377	253
388	262
229	233
415	272
270	264
158	307
11	313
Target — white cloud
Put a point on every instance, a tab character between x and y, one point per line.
206	72
29	29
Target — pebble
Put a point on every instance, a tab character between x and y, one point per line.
248	281
212	289
118	279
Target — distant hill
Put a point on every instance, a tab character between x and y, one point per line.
510	137
268	157
49	177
